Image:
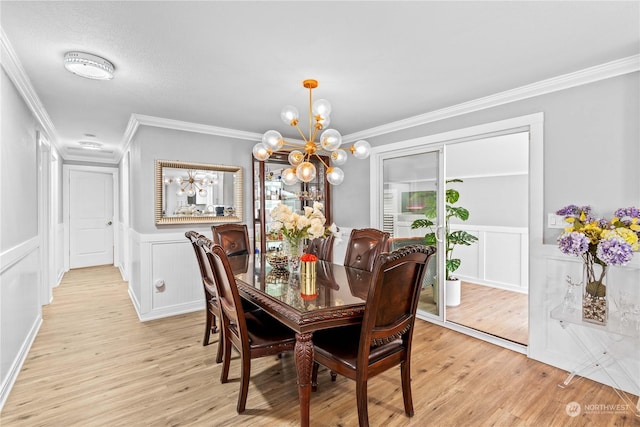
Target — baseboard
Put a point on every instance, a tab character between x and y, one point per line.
169	311
14	371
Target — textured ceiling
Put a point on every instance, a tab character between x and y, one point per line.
236	64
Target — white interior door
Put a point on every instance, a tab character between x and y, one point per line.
90	218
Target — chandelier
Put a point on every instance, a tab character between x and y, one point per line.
301	153
193	184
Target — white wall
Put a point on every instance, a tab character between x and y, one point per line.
20	250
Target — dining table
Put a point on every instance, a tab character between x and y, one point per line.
336	297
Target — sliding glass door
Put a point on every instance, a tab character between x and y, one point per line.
410	190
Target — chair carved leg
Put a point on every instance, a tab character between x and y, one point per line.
221	343
361	398
405	373
314	376
214	324
333	376
226	360
207	330
244	382
211	326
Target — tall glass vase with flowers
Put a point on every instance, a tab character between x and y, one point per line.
601	243
295	228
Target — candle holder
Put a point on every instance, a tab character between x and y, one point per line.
308	276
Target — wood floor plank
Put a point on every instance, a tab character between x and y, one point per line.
494	311
94	363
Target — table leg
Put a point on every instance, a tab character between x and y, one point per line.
304	366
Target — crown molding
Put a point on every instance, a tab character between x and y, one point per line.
13	67
136	120
588	75
195	127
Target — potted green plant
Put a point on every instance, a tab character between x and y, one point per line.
453	239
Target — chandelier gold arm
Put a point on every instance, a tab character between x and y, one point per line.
301	133
292	144
312	136
322	161
273	141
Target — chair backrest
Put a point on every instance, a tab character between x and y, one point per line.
364	246
233	319
393	298
203	263
234	238
322	247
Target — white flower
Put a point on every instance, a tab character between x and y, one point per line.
333	229
309	224
303	222
316	229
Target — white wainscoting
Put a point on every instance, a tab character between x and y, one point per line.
124	252
166	258
20	308
500	257
58	255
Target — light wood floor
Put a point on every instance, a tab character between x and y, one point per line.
490	310
94	364
494	311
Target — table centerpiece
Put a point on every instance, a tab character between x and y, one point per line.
295	228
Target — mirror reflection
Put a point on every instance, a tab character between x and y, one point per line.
194	192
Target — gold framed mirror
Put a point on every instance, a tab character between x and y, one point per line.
189	193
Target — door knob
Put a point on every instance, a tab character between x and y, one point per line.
109	223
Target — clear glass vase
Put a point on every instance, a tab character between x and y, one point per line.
594	296
293	249
571	302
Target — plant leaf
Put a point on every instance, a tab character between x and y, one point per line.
452	195
458	212
461	237
430	239
421	223
453	264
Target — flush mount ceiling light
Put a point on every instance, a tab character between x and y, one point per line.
89	66
90	145
330	140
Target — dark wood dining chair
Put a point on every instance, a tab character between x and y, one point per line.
253	333
234	238
322	247
383	340
210	293
365	244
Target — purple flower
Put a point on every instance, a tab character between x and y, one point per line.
571	210
631	212
614	251
627	214
573	243
574	211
